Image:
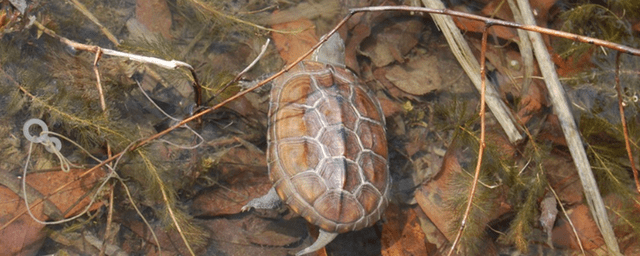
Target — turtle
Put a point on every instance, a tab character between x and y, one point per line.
327	149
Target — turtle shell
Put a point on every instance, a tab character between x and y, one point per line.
327	152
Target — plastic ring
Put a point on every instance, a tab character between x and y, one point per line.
43	126
56	143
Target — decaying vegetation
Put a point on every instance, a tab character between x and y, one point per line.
149	177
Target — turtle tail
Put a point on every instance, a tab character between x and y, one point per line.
323	239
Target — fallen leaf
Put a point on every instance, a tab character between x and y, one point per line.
253	235
292	46
432	196
155	16
392	42
418	76
548	213
402	234
169	239
237	183
66	200
564	237
23	236
431	232
563	178
533	102
389	107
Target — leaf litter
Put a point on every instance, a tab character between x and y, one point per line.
426	102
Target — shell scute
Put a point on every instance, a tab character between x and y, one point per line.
309	186
369	197
341	142
366	106
341	174
340	206
372	138
330	105
300	155
374	170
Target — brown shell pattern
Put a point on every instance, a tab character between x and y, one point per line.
327	147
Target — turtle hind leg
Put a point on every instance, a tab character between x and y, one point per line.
323	239
269	201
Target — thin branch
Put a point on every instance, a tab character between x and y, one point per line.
481	146
623	121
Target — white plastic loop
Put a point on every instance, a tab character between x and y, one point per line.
52	144
28	124
55	145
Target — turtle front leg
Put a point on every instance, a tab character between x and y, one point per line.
271	200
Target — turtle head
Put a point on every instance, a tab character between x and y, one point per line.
331	52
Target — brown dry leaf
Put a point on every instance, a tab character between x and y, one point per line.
533	101
402	234
359	32
24	236
169	239
292	46
393	42
155	16
586	228
380	74
418	76
431	232
570	66
48	182
563	178
497	9
242	176
24	233
548	213
253	235
431	196
389	107
510	70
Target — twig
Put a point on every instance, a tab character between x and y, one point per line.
172	64
481	146
623	121
107	232
103	105
571	133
